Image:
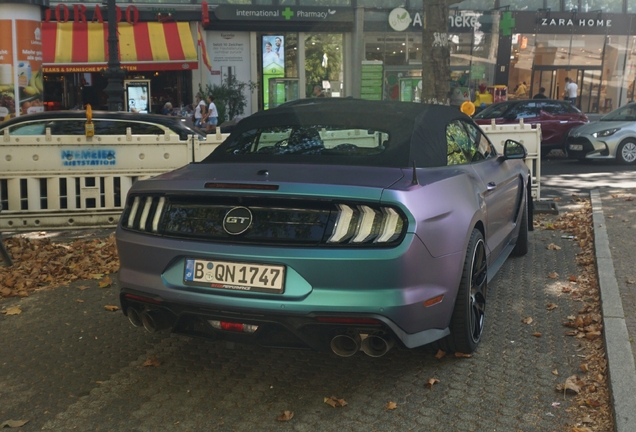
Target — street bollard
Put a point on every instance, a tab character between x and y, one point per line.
4	255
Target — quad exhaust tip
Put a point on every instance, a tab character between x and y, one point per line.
346	345
373	345
134	317
153	321
376	345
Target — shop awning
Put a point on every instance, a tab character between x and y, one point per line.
144	46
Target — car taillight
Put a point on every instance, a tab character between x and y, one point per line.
233	326
363	224
144	213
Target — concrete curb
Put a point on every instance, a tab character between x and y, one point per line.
620	359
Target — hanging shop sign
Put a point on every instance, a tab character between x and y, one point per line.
401	19
287	13
81	14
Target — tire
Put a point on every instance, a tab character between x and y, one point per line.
626	152
521	247
467	322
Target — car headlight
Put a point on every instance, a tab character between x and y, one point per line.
605	133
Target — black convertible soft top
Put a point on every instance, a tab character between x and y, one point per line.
417	132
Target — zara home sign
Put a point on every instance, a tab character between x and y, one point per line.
569	22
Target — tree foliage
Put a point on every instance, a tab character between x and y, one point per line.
230	97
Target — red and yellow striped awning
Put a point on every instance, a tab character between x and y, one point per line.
144	46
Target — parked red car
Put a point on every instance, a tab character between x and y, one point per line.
556	118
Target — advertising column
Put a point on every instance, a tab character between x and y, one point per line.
21	80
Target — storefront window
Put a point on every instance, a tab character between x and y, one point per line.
323	64
554	5
316	2
523	5
607	6
475	5
388	4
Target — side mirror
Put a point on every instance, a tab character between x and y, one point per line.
514	150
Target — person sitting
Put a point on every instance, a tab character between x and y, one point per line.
541	94
167	108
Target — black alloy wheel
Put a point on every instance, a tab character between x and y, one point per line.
467	323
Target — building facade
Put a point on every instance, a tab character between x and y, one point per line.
294	49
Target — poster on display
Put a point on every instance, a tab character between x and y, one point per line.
30	77
21	77
229	54
137	96
7	96
273	63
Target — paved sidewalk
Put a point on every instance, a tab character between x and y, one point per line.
614	218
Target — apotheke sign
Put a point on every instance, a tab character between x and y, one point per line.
400	19
287	13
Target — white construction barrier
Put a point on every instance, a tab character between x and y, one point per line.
530	137
74	181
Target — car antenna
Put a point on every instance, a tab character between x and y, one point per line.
414	181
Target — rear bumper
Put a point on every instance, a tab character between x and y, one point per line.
390	285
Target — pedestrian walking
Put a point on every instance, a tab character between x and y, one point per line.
211	116
571	91
199	111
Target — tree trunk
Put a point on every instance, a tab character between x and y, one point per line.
435	53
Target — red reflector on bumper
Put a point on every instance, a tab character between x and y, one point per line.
142	299
338	320
230	326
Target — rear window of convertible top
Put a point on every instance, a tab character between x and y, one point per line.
309	140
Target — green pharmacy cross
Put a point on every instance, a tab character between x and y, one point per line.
288	13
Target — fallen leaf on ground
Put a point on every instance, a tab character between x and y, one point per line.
335	402
536	334
572	278
462	355
553	275
80	301
82	287
581	429
584	367
111	308
572	384
431	382
552	246
391	406
151	361
593	403
285	416
555	372
593	335
440	354
14	310
551	306
629	199
527	320
13	423
106	282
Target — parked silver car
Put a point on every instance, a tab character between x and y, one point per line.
612	137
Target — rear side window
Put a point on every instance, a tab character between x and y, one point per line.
523	110
29	128
115	127
557	108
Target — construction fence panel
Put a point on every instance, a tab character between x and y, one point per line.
70	181
530	137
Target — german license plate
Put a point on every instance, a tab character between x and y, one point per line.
576	147
235	276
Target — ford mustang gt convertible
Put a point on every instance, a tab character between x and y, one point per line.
337	224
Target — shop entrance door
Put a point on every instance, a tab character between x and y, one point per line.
282	90
553	80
